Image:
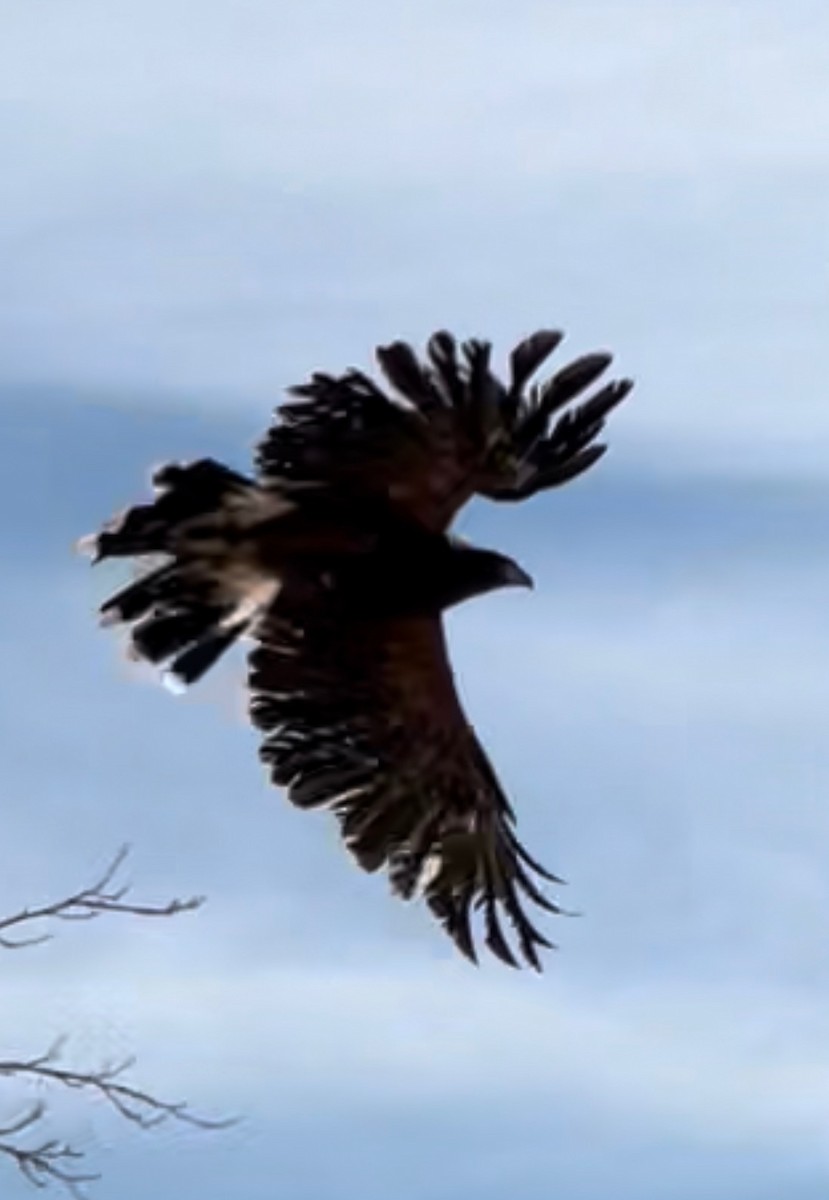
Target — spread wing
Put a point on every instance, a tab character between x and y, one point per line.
451	430
363	719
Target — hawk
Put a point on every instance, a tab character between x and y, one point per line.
337	559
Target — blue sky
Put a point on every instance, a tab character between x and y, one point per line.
204	201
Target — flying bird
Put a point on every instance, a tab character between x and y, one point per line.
337	559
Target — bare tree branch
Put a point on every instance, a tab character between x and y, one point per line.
85	905
50	1160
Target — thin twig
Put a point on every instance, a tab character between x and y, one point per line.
47	1162
88	904
134	1104
51	1160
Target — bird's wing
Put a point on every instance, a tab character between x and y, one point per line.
363	719
451	430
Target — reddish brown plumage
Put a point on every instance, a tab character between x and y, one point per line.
336	560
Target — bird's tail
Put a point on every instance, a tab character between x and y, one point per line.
201	587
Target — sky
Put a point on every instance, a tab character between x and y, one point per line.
203	202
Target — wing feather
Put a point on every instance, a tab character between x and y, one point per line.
450	428
363	718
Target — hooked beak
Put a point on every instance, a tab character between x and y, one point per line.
515	576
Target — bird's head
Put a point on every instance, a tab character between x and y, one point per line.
476	571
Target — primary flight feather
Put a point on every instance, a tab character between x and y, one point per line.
337	559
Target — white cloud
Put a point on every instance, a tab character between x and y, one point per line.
717	1064
213	199
341	97
724	642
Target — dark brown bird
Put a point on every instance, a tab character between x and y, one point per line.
337	560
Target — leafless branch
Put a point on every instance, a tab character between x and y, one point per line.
132	1103
50	1160
86	905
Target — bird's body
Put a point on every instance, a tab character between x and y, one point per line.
337	558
